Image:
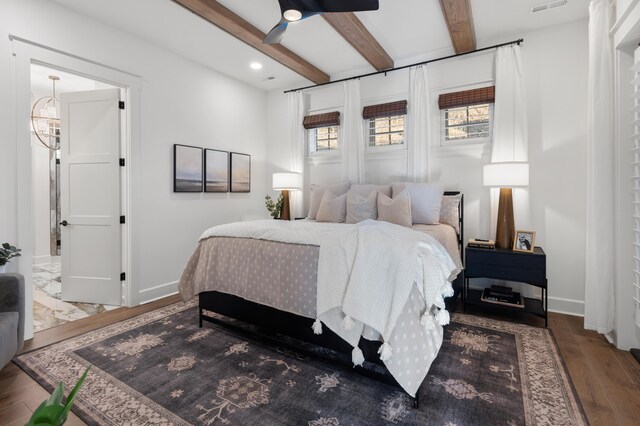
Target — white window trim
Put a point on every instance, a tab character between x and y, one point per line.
325	152
325	155
365	126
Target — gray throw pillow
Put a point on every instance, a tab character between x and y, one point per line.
361	208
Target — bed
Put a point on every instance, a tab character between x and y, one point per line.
268	278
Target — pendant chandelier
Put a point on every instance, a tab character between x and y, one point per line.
45	118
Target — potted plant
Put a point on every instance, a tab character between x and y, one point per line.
51	411
7	252
274	207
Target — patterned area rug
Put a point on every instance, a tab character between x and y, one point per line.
160	368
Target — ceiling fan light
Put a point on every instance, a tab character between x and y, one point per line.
292	15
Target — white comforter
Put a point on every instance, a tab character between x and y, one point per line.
375	279
367	273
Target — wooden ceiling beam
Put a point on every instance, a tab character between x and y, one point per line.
459	19
233	24
353	31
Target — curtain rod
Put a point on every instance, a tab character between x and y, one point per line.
408	66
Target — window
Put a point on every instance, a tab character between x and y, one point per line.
323	131
467	122
386	131
467	115
386	124
323	139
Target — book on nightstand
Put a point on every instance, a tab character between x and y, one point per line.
485	244
513	298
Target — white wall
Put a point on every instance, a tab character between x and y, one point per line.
555	60
181	102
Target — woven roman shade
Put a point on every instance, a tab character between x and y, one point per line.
385	110
322	120
483	95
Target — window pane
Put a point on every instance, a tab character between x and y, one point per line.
467	122
386	131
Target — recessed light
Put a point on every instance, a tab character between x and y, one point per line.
292	15
256	65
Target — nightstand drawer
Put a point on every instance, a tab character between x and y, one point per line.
507	265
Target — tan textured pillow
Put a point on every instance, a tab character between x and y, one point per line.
332	208
361	208
395	210
449	211
317	192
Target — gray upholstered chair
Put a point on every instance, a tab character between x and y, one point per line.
11	316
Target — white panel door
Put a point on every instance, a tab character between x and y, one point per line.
90	197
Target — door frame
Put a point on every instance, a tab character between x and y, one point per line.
25	53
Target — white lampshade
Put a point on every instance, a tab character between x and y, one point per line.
506	175
287	181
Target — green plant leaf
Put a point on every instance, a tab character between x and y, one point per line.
56	396
47	415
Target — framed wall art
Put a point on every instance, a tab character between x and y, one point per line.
187	168
216	171
240	172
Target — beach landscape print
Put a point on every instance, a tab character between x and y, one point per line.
240	172
216	166
187	168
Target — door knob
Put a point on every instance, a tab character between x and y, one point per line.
64	223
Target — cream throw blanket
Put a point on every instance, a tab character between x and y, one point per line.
366	275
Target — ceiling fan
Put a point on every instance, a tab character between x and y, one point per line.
297	10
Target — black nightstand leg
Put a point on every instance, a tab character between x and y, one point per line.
546	307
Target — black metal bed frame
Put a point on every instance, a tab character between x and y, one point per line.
271	322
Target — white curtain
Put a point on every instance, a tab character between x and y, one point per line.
599	284
352	137
296	111
418	149
510	131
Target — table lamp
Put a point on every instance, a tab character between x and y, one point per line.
285	182
506	176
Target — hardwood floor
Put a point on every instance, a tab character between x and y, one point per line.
606	379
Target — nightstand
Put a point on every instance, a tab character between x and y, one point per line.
509	265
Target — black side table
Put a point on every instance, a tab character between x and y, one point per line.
504	264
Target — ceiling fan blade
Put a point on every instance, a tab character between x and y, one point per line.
349	5
275	35
320	6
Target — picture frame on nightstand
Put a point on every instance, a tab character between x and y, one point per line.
525	241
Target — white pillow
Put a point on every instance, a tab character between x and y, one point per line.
361	208
449	211
396	210
365	190
426	199
317	191
332	208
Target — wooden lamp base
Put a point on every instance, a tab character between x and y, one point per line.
505	229
285	213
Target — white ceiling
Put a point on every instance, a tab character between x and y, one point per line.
406	29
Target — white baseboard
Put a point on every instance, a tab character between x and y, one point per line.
41	260
566	306
158	292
